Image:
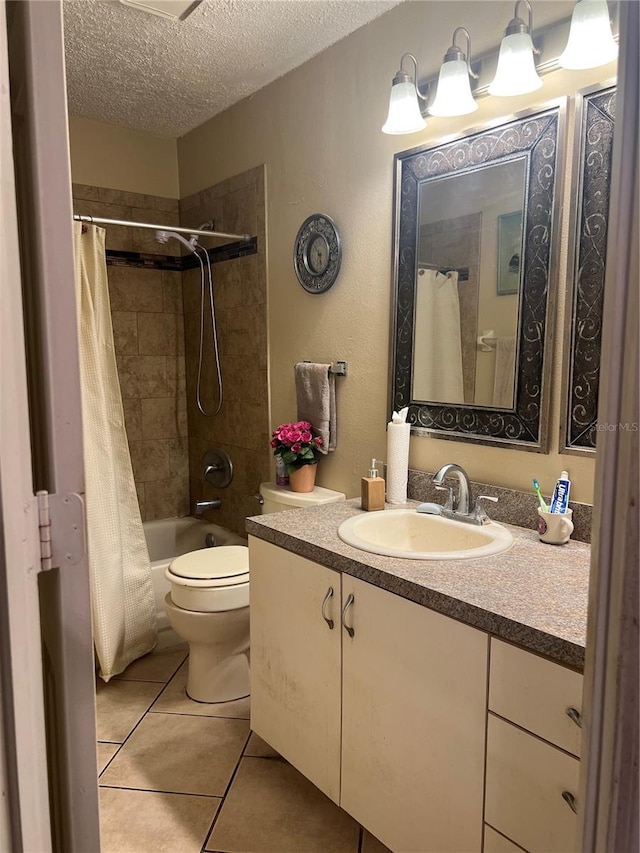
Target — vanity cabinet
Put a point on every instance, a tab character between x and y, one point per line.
431	738
533	744
388	722
296	660
413	713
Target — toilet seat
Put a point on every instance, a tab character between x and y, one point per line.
212	567
211	579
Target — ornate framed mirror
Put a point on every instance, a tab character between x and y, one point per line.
475	247
591	189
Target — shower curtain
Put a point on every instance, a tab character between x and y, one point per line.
437	355
122	598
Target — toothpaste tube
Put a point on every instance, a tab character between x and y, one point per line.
560	499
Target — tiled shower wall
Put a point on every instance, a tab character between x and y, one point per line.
148	327
242	427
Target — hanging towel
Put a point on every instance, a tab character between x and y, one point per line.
437	353
504	373
316	396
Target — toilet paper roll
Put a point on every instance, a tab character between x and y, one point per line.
397	462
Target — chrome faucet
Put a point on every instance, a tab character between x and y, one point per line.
204	505
461	505
459	509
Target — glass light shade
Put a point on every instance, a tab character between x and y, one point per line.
453	95
591	41
404	111
516	73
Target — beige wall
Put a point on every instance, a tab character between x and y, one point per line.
318	132
104	155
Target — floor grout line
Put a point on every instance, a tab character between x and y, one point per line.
157	791
203	716
224	796
144	714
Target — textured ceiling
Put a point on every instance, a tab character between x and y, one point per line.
129	68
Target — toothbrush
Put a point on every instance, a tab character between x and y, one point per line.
536	486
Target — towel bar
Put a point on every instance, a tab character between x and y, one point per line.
338	368
487	341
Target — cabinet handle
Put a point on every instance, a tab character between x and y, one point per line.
347	605
570	800
328	596
574	715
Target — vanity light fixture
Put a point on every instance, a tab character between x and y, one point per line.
591	41
516	73
404	110
453	95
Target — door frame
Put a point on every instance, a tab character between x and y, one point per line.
52	425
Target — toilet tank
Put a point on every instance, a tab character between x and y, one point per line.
278	498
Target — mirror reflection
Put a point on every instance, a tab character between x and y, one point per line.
468	286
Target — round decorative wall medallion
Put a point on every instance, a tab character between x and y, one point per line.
317	253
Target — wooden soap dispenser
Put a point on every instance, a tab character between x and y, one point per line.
372	489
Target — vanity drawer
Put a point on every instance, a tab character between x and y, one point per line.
535	693
496	843
526	778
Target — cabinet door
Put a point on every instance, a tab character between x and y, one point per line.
413	723
295	661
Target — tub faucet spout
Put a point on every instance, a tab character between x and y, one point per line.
203	506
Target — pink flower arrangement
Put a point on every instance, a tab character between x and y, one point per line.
296	444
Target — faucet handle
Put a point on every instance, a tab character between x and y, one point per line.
448	505
479	512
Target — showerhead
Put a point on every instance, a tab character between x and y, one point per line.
165	236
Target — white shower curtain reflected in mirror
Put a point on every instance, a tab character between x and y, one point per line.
437	346
122	598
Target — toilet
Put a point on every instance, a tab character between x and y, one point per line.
208	605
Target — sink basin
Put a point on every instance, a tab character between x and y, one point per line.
418	536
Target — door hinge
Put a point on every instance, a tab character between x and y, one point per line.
61	526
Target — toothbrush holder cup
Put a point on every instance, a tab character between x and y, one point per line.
555	528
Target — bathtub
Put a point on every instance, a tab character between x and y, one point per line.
169	538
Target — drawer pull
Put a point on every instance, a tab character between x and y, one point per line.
574	716
327	597
570	800
347	605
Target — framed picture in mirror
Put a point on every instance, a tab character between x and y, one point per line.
475	249
509	252
589	218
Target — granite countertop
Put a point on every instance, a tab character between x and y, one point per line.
534	594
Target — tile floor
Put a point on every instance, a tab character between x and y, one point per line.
177	776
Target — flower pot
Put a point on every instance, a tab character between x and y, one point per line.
303	479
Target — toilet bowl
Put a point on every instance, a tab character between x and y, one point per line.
208	606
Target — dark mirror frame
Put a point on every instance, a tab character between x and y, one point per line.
591	191
539	137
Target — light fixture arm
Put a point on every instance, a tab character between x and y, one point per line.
517	25
456	53
403	76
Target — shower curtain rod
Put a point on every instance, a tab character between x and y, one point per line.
99	220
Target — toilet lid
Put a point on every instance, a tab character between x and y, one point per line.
226	563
